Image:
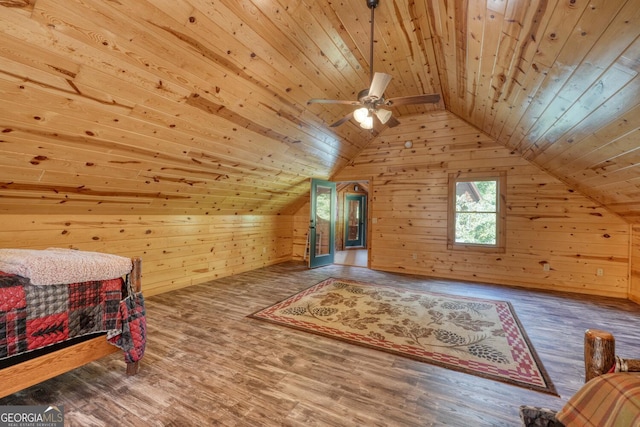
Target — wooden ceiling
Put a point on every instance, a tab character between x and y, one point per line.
199	107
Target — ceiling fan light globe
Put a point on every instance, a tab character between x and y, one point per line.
367	123
361	114
383	115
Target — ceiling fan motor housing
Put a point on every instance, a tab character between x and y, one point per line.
370	102
362	95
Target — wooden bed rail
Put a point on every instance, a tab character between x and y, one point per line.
600	355
34	371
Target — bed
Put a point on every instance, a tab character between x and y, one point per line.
61	309
610	396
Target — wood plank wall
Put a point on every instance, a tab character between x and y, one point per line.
634	286
300	230
176	251
547	222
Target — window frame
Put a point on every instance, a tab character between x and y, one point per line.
501	181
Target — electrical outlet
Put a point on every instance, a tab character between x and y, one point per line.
415	256
546	266
600	272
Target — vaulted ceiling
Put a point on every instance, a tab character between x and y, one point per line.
194	106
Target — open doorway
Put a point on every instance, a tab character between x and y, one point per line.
352	224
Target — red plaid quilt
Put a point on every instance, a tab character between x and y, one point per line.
32	317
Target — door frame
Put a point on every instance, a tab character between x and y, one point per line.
362	226
315	259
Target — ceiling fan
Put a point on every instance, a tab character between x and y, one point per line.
372	99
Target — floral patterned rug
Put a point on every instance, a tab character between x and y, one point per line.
477	336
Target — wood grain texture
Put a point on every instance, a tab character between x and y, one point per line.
546	220
208	364
24	375
193	109
599	353
199	108
634	269
177	251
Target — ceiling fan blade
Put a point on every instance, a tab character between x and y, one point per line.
379	84
331	101
343	120
433	98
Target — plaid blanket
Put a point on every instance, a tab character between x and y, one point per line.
609	400
132	327
32	317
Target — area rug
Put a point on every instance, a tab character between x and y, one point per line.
477	336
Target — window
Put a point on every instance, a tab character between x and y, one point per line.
476	213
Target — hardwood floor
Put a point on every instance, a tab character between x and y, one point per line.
208	364
352	257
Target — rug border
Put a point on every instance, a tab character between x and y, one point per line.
551	389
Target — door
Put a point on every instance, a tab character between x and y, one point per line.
354	224
322	224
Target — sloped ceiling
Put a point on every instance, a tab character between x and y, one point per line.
199	107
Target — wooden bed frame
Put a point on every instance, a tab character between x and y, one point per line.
600	355
33	371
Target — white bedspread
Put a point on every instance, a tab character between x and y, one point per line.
62	266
